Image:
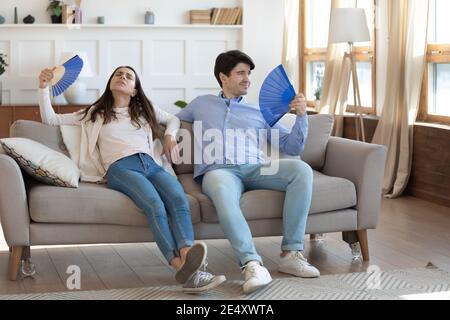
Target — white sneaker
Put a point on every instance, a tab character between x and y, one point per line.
294	263
256	277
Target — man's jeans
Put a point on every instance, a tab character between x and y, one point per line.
225	187
154	190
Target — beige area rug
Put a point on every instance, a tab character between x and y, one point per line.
422	283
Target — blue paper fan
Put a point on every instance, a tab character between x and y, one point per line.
65	75
275	96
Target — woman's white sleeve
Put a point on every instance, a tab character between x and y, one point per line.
171	122
49	116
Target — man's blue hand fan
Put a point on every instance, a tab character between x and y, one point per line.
275	96
65	75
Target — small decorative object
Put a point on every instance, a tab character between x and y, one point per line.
101	20
275	95
149	17
16	17
66	74
3	64
55	9
77	16
2	20
29	19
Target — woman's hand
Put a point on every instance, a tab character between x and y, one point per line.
45	77
170	148
298	105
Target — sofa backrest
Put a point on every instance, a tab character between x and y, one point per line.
320	127
49	136
314	154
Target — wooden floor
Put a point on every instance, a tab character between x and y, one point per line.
411	233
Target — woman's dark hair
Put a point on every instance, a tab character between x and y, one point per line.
140	107
226	62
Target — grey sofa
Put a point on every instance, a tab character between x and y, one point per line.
346	198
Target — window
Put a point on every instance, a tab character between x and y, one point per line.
435	105
315	17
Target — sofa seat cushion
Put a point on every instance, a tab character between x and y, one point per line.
90	203
329	194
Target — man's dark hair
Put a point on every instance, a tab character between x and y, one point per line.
226	62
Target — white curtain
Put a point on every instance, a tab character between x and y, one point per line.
291	49
408	22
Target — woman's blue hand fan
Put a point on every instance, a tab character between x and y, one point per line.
64	76
275	96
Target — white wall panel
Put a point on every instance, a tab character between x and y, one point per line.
124	53
90	47
33	56
168	58
205	53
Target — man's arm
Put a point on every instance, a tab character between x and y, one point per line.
292	143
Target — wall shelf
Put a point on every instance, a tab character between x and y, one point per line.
126	26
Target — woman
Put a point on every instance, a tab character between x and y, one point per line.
117	145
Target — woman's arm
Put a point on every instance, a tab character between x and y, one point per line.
48	115
172	124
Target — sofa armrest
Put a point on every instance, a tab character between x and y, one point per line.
363	164
14	215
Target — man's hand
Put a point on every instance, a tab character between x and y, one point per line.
298	105
45	77
170	148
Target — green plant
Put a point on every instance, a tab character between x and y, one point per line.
181	104
3	63
319	83
55	7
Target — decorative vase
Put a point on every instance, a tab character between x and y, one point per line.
317	104
56	19
2	20
149	17
16	16
29	19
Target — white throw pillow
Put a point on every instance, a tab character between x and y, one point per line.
72	139
42	163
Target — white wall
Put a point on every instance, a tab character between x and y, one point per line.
261	36
116	11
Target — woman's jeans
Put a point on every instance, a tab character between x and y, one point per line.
160	195
225	187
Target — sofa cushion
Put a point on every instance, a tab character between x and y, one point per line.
319	132
49	136
90	203
329	194
41	162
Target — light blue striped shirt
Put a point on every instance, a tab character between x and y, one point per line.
216	115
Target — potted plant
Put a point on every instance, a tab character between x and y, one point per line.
319	84
55	9
3	65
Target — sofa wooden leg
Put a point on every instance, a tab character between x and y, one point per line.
14	262
364	243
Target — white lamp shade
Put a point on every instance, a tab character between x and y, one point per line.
87	70
348	25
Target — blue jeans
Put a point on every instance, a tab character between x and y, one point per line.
159	195
225	187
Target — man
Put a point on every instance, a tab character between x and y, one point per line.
225	179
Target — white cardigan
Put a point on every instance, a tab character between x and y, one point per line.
90	163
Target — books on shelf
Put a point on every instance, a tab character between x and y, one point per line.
217	16
200	16
227	16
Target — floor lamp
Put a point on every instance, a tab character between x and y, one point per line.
349	25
